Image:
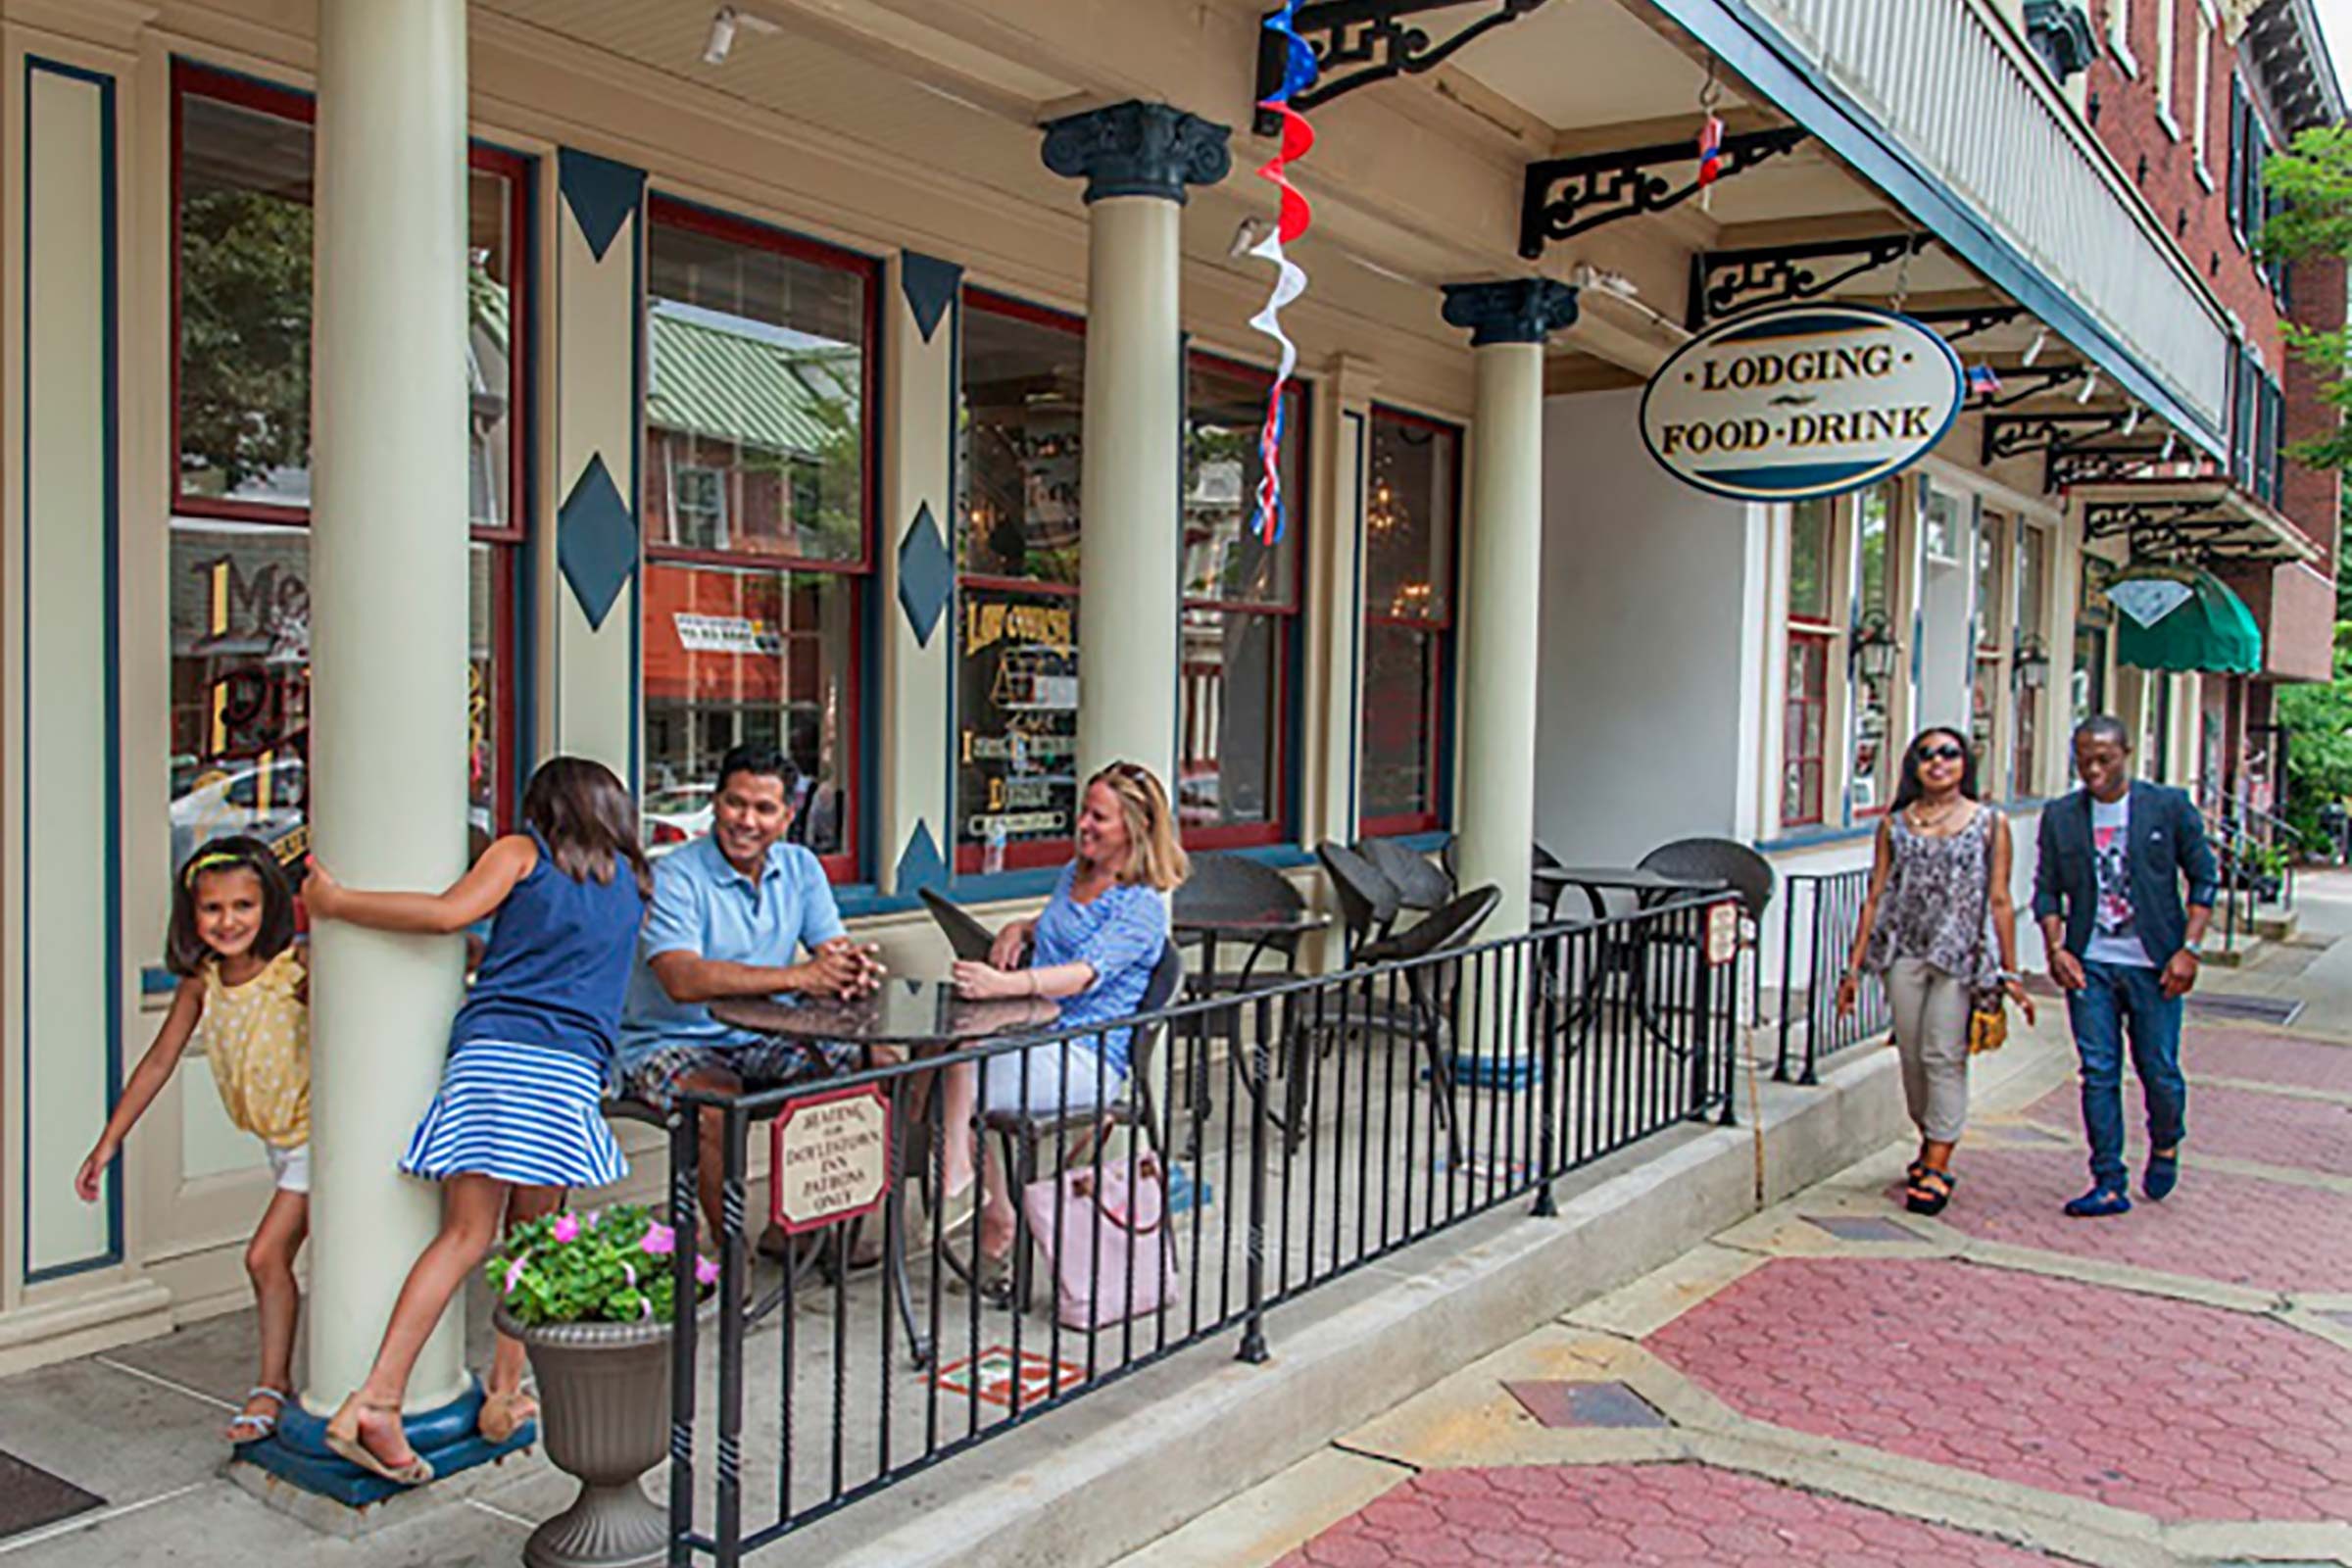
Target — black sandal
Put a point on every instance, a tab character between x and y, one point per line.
1921	1199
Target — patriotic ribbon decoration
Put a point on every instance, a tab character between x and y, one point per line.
1297	138
1710	154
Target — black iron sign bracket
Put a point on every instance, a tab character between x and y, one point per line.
1726	282
1563	197
1358	42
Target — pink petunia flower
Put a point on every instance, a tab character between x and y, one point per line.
567	1227
706	1272
659	1240
514	1272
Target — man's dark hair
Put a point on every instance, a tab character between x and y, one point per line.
2104	727
761	761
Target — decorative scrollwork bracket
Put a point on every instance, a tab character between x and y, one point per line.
1358	42
1603	187
1726	282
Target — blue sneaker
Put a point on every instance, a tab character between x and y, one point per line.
2162	1176
2099	1203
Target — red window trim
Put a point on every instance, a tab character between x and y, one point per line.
1281	827
1819	760
192	78
1436	722
671	211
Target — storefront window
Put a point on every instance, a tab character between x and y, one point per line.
2088	689
1804	729
1240	604
1809	562
1873	771
757	478
239	591
1016	550
2024	745
1409	620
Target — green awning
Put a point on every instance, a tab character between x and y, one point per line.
2212	631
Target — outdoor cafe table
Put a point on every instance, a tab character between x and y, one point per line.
1650	889
922	1018
1259	929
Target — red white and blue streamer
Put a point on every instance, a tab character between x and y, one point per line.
1298	137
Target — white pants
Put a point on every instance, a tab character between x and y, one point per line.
1930	1034
1061	1079
291	1167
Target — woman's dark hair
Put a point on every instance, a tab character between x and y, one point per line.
1908	787
585	818
184	952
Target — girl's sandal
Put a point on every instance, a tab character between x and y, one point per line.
505	1414
252	1425
1931	1189
343	1437
996	1279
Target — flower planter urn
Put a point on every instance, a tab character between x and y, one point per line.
604	1417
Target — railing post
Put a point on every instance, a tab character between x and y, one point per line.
1779	1070
1820	892
732	1270
1728	1032
1551	955
1254	1330
685	1152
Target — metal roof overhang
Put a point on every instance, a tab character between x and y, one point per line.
2213	518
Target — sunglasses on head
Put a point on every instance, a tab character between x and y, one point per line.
1947	753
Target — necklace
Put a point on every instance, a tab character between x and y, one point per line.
1923	821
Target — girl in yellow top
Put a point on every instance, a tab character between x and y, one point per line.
242	993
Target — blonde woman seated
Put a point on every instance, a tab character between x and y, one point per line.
1093	949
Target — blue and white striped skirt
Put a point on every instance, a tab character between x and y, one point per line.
520	1113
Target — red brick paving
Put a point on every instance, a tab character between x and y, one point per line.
2235	1230
2241	1123
2171	1409
2267	1058
1636	1514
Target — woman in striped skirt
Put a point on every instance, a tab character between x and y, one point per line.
517	1120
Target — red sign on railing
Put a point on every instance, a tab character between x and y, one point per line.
829	1158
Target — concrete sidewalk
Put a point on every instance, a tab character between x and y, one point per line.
1834	1381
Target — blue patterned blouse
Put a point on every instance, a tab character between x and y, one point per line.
1120	934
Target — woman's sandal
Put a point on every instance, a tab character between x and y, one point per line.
505	1414
996	1279
1929	1189
255	1425
343	1437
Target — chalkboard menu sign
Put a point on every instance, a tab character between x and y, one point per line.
1017	746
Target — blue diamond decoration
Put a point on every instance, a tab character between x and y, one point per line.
600	193
596	542
930	286
922	866
926	576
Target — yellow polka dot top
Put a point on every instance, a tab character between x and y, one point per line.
257	1037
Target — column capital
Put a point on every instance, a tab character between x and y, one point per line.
1518	310
1138	149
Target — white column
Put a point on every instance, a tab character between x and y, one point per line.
1502	586
388	650
1136	159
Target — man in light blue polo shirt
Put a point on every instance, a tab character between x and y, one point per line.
731	912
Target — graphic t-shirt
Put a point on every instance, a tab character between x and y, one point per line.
2114	938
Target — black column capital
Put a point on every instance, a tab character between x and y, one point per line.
1138	149
1519	310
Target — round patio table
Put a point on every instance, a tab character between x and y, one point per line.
923	1018
1258	930
1649	888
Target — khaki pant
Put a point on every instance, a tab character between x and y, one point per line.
1930	1034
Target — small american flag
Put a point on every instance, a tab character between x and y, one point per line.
1710	152
1984	381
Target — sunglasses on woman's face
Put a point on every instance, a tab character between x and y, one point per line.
1942	754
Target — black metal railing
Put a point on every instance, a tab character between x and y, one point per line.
2257	853
1818	916
1289	1137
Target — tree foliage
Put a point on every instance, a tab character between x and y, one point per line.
245	337
2312	181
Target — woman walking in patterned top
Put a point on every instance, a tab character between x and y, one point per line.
1939	880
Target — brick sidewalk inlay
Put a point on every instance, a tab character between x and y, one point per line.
2174	1410
2268	1058
2239	1123
1687	1515
2233	1230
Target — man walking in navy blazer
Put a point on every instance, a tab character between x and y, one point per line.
2107	891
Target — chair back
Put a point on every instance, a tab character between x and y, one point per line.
1368	900
1167	979
965	934
1223	886
1725	861
1419	884
1443	930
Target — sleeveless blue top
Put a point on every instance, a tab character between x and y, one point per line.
558	963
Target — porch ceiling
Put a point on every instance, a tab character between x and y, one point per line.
1589	63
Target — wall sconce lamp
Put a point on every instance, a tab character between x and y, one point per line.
1875	651
2033	666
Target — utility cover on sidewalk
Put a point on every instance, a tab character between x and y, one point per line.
31	1498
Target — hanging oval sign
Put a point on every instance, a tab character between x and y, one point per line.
1808	399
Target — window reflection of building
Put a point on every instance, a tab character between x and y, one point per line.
1870	773
240	552
1410	502
1804	727
754	494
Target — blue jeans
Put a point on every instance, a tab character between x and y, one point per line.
2116	997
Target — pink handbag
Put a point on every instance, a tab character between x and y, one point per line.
1112	1256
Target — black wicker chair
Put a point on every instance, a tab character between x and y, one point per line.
1225	887
1368	899
1725	861
1419	884
964	933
